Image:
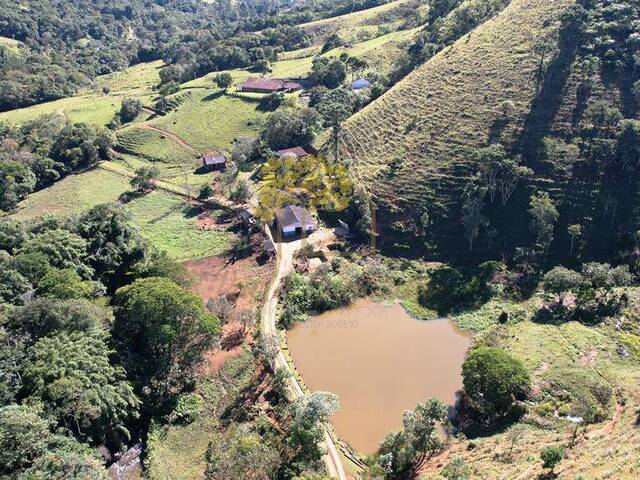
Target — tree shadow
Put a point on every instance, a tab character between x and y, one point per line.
213	96
547	102
496	129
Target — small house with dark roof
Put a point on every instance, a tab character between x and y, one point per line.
213	161
291	220
360	84
299	152
268	85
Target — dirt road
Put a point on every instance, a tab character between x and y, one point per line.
285	252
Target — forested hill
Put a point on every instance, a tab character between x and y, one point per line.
541	99
65	44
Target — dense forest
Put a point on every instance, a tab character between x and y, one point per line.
65	46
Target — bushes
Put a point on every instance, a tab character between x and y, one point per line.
329	289
493	380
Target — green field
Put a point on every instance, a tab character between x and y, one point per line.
92	105
74	194
176	163
163	217
172	226
363	25
209	120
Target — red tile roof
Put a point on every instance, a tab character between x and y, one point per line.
297	151
269	84
263	84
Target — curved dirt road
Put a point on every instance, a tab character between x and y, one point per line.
285	252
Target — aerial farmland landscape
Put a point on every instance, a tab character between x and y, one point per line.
319	239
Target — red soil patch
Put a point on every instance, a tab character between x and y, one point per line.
243	282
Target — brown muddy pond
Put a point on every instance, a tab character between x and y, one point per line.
380	362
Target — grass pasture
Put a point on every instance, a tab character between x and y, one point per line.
171	225
91	105
359	26
211	120
73	194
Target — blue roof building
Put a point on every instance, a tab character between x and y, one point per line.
360	84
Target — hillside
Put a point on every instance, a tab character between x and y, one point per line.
414	143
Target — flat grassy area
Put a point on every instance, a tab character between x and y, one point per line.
209	120
92	105
73	194
172	226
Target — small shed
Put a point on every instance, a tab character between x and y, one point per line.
291	220
299	152
360	84
213	161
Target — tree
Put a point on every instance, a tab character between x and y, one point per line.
16	182
33	266
602	118
544	216
551	457
29	451
130	109
113	243
240	455
13	286
291	128
493	380
328	72
575	232
331	42
162	331
73	377
499	172
560	280
80	145
145	177
310	181
45	316
601	278
472	218
403	454
456	469
514	435
335	107
309	413
66	284
62	248
223	80
23	437
242	192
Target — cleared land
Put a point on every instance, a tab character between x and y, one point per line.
164	218
92	105
74	194
363	25
209	119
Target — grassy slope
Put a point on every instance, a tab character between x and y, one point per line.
210	120
606	450
163	217
444	108
91	105
357	26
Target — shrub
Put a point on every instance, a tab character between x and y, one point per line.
493	380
